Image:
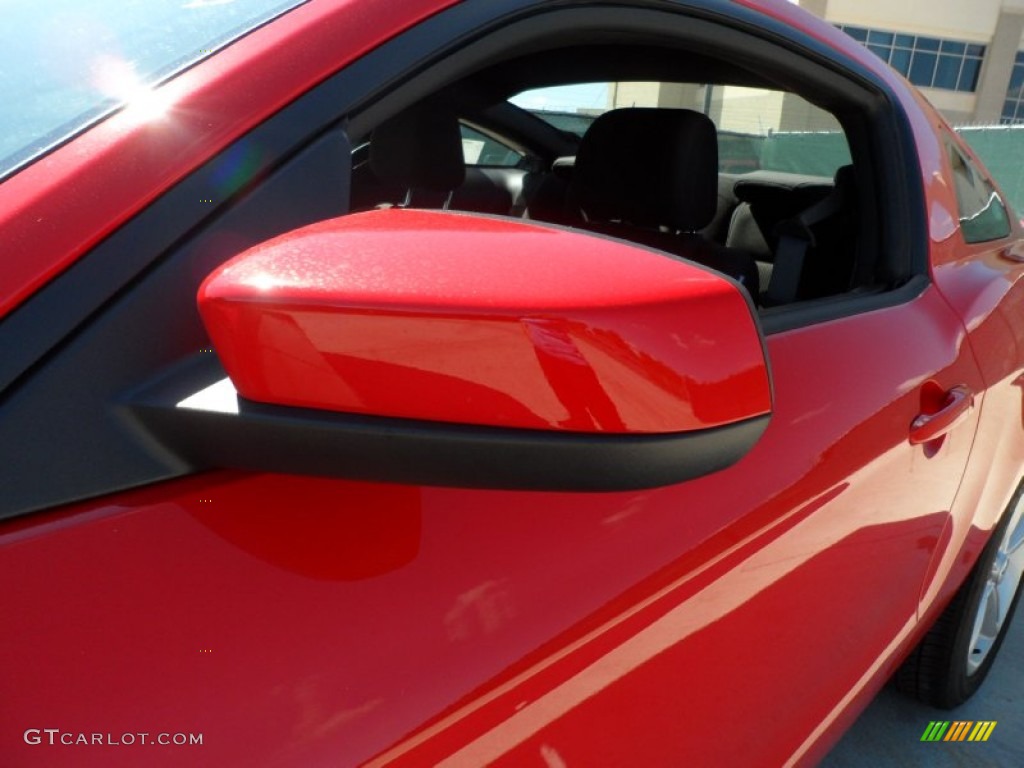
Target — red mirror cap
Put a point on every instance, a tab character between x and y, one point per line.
471	320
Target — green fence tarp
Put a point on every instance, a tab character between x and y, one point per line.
816	154
1001	149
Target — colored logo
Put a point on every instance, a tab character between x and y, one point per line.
960	730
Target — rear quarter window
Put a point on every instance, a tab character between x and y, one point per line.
983	217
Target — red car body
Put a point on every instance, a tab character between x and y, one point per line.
744	617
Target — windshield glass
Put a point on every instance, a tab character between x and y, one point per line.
66	63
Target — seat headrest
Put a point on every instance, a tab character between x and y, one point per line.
649	167
421	148
761	189
846	179
786	197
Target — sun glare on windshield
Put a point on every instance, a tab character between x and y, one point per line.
67	64
117	79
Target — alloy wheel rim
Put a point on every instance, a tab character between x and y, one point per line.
1004	578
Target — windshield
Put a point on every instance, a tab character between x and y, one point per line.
66	63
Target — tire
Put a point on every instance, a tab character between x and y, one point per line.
953	659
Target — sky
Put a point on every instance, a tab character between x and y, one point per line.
565	98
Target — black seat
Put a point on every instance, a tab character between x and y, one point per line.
651	175
547	194
817	250
762	204
419	151
417	161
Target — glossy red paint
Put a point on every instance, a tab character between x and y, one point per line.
629	612
985	290
59	207
448	317
806	543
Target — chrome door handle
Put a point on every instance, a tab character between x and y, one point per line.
931	426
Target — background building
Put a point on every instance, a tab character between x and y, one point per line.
964	54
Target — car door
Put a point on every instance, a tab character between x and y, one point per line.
499	625
977	269
233	616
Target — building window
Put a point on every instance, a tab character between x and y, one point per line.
1013	107
926	61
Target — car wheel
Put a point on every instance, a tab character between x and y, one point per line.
952	660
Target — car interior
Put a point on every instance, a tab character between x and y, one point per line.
664	177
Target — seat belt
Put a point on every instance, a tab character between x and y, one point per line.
795	239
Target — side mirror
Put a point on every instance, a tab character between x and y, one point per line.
441	348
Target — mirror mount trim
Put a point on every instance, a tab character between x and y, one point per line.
197	416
